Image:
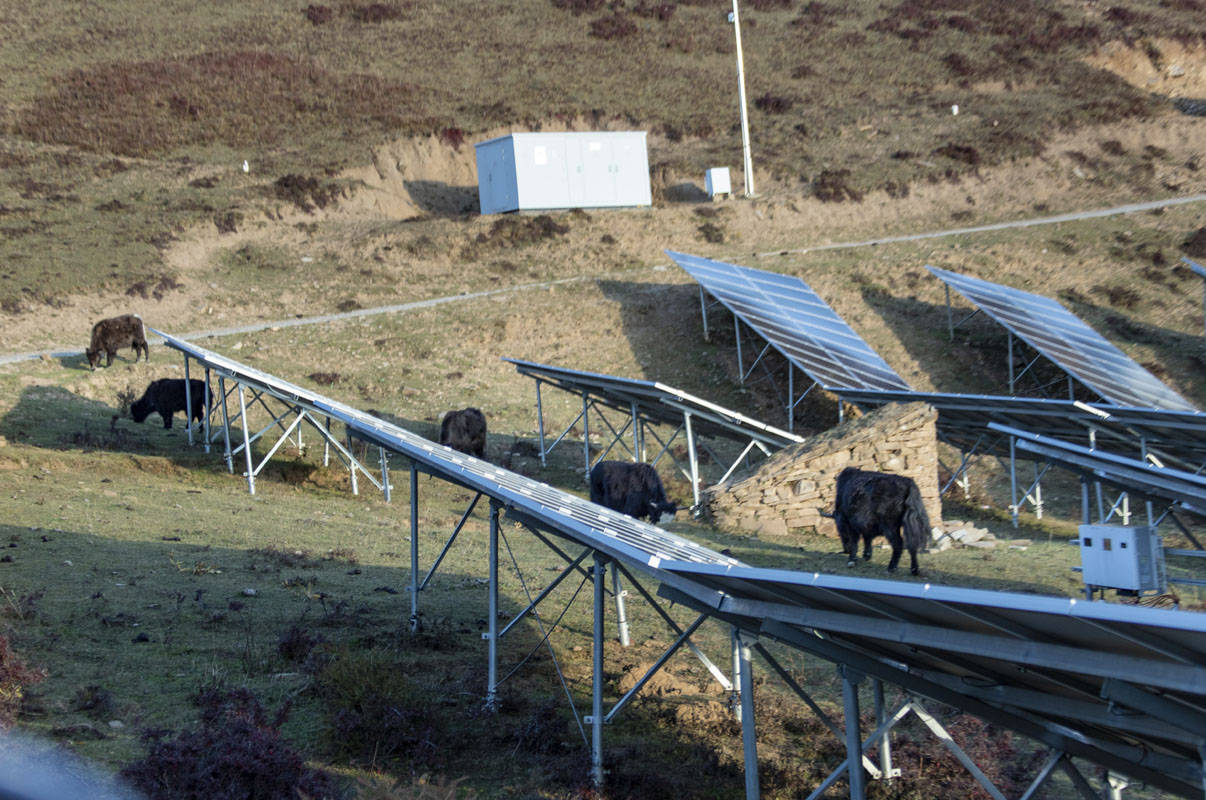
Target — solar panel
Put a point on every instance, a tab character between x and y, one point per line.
1129	474
1072	673
796	322
658	402
1055	332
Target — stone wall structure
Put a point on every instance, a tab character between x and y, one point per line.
790	490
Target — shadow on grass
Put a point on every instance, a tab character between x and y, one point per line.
325	633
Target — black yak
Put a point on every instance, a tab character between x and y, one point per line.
166	396
630	488
109	335
465	430
870	504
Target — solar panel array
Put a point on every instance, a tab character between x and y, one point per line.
1063	670
1052	668
796	322
607	530
1130	474
962	421
658	402
1055	332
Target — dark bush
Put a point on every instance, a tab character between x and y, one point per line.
959	64
711	233
296	643
579	7
306	192
236	753
959	152
773	104
319	15
659	11
453	137
519	231
1194	245
613	26
376	12
832	186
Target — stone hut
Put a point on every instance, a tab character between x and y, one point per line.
791	489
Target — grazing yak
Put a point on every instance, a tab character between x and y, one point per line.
465	430
109	335
869	504
632	489
166	396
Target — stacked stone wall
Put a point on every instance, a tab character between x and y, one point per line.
790	490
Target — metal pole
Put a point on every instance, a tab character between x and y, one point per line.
226	425
540	424
596	719
740	360
208	402
1013	480
694	461
586	435
384	473
1009	339
621	612
735	694
950	318
636	434
703	309
492	634
414	547
854	745
188	402
745	122
791	399
885	742
749	739
246	441
326	445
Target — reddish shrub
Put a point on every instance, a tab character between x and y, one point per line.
237	752
376	12
453	137
15	675
659	11
959	152
831	186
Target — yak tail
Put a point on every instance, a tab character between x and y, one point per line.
916	522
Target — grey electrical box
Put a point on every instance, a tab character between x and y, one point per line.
545	171
1122	557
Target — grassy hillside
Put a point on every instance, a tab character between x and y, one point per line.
147	584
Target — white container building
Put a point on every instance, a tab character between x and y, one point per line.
545	171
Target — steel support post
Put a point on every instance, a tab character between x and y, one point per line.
384	472
586	436
694	464
246	440
540	424
740	360
735	698
636	434
885	742
188	401
352	465
225	425
208	404
326	445
596	719
791	398
1115	783
950	317
621	611
749	741
492	625
703	309
1009	339
414	547
1013	481
854	746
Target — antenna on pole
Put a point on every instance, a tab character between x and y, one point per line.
745	122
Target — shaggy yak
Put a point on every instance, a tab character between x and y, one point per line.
166	396
632	489
465	430
109	335
869	504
